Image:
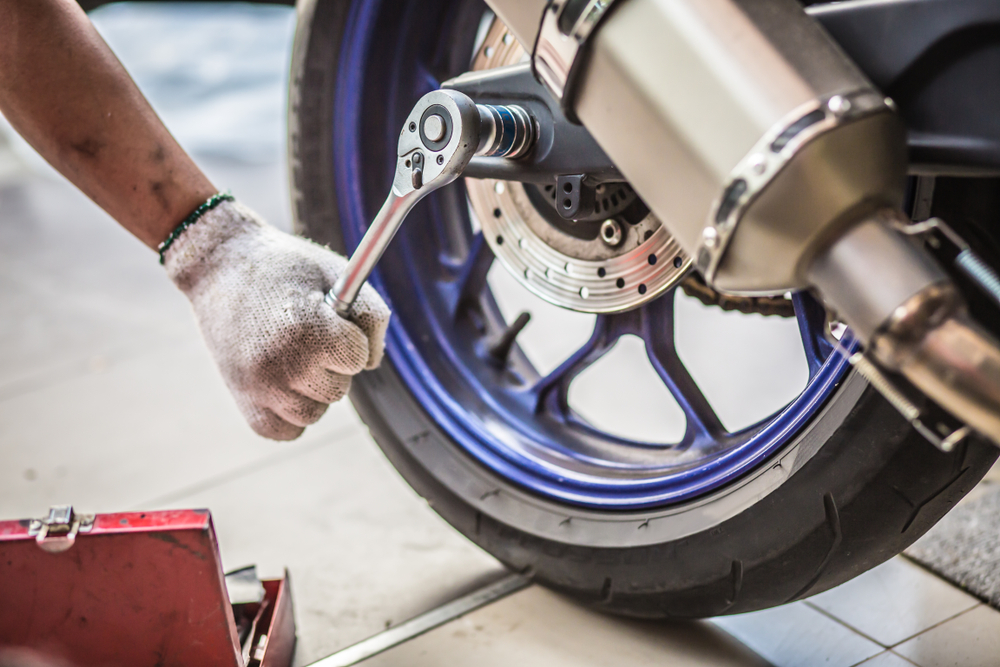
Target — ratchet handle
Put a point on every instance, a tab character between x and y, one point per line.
371	249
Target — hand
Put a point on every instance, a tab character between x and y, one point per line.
258	296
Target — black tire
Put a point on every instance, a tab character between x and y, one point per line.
854	489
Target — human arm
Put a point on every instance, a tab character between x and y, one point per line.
257	292
66	93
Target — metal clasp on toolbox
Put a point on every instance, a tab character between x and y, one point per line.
57	532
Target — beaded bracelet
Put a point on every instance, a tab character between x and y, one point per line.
196	214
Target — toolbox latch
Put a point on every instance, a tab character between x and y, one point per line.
57	532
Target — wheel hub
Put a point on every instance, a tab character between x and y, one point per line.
616	259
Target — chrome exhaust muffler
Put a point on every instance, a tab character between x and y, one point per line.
912	319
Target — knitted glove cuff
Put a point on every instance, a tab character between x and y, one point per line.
196	214
195	252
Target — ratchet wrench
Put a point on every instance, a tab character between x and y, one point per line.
439	138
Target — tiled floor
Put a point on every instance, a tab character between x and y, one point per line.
109	400
894	602
897	610
969	640
537	628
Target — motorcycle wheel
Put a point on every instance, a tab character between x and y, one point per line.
827	488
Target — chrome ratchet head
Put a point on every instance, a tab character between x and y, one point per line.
439	137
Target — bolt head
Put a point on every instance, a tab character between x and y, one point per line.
611	232
434	127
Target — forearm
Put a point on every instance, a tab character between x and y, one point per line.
65	92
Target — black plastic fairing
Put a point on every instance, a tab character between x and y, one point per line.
939	60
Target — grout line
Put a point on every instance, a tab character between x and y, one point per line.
939	623
846	625
951	582
861	664
899	643
249	468
885	652
904	658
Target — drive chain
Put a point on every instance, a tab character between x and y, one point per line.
779	306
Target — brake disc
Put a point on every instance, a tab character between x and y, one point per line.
572	264
618	261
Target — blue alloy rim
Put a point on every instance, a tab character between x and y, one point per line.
509	419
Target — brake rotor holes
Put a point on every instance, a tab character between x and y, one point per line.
598	264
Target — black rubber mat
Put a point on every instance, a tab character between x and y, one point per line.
964	547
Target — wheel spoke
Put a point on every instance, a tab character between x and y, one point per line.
658	332
811	317
470	275
553	389
449	212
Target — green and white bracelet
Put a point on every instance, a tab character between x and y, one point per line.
196	214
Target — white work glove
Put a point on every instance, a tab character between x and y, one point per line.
258	295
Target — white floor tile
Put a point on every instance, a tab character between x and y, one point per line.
122	437
75	288
537	628
893	602
970	640
796	635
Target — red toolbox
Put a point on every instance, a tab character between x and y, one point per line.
135	589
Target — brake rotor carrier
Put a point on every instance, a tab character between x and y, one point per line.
578	271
